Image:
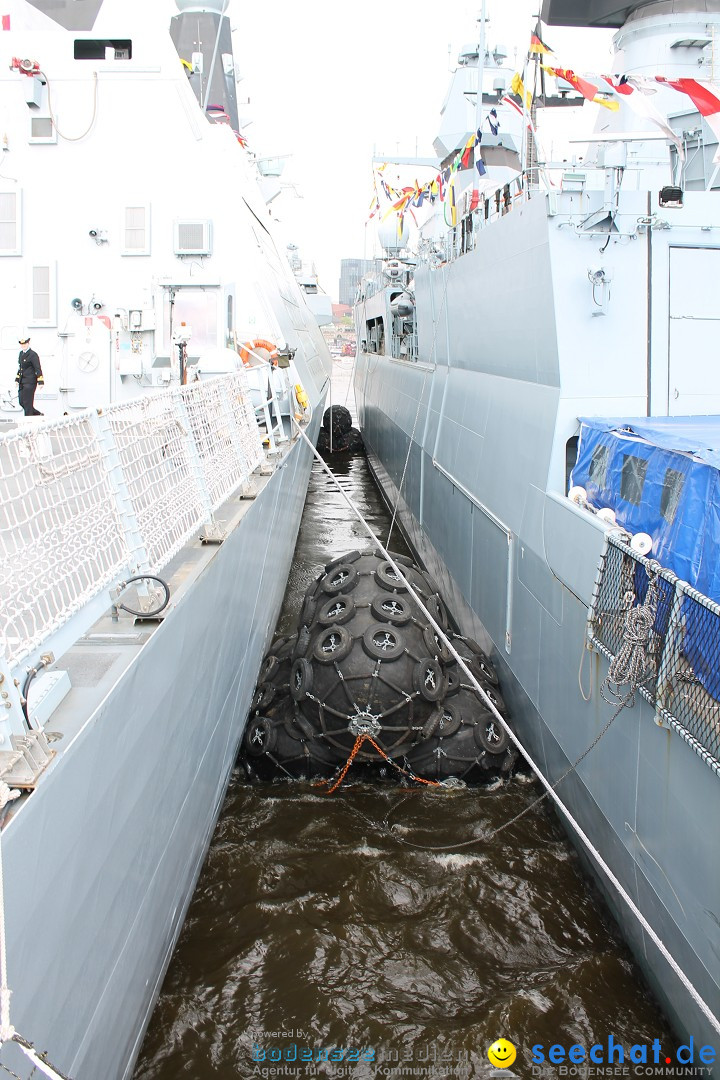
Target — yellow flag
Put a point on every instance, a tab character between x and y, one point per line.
612	105
518	87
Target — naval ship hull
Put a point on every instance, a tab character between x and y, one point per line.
464	447
100	868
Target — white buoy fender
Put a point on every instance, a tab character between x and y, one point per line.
641	543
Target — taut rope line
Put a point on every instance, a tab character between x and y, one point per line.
576	827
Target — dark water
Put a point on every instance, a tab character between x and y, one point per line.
314	927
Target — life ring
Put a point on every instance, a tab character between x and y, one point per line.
259	343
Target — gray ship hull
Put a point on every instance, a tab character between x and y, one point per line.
109	855
474	434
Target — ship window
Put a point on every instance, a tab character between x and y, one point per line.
95	49
599	465
10	222
632	478
375	336
41	293
229	314
670	494
42	130
136	230
571	453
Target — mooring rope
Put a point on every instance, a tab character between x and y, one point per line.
575	825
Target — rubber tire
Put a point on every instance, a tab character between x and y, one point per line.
402	615
287	648
495	696
260	737
307	611
324	616
452	682
435	646
377	652
301	679
484	671
449	722
342	647
386	579
351	557
264	696
303	642
347	573
438	611
269	669
481	732
402	560
420	675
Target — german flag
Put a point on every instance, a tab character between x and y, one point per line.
537	45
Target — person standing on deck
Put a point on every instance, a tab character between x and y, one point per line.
28	376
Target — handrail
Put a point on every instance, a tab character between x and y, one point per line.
87	500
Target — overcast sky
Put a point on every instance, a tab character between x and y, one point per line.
331	82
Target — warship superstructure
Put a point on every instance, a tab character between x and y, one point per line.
148	519
539	294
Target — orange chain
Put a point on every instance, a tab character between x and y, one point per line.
353	754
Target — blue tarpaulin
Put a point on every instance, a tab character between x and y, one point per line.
661	475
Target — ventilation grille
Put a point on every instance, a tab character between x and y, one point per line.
136	231
41	127
193	238
41	307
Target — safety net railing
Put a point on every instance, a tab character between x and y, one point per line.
680	661
225	433
87	499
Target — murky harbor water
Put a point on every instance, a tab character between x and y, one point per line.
317	929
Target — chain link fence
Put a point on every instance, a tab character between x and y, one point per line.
683	650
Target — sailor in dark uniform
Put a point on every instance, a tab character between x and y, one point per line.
28	376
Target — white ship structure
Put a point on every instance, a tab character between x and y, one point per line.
148	518
538	393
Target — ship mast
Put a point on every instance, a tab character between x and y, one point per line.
479	107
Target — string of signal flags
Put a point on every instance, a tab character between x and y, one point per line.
612	91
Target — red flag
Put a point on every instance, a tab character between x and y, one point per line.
702	97
618	86
582	85
6	22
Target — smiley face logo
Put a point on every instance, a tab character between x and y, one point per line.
502	1053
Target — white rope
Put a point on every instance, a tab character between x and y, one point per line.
633	665
53	118
699	1001
39	1062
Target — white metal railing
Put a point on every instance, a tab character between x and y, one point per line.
492	206
88	499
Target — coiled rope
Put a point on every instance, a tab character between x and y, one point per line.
633	664
7	1031
574	825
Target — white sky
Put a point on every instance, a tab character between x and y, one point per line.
331	82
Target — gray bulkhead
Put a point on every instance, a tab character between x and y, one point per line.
510	354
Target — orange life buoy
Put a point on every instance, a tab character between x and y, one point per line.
259	343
